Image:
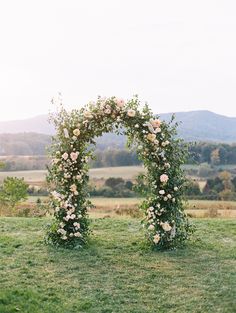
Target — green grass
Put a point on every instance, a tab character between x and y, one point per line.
116	272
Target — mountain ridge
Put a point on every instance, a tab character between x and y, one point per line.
199	125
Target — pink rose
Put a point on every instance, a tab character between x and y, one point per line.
131	113
156	123
120	102
65	156
164	178
74	156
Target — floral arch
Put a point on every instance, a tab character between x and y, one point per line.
156	144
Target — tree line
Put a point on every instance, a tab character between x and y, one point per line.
212	153
220	187
199	153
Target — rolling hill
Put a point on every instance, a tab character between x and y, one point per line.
205	126
30	136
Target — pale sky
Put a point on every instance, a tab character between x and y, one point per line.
177	55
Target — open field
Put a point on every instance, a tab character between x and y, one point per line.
195	208
126	172
114	207
29	176
117	272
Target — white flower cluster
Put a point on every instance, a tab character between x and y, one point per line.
155	223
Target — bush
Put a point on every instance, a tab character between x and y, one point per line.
12	191
193	189
205	170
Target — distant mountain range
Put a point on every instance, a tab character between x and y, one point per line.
195	126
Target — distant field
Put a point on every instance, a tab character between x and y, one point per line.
128	206
29	176
126	172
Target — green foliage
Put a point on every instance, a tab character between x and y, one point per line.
122	189
205	170
222	185
193	189
212	153
157	146
112	182
12	191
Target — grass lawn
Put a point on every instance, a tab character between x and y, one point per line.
116	272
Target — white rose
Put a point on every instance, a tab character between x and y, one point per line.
61	231
156	238
107	111
73	188
151	227
66	133
166	226
162	192
151	137
56	160
88	114
131	113
76	132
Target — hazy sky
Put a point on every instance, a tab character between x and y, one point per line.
177	55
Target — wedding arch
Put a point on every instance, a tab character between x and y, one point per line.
156	144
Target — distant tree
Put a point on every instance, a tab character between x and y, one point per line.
193	189
112	182
223	155
205	170
227	195
225	177
215	157
213	185
129	185
234	182
12	191
206	153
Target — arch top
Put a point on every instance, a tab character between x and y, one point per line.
156	144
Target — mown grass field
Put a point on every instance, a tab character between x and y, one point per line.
116	272
196	208
126	172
